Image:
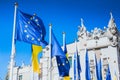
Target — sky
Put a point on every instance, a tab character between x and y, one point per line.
64	15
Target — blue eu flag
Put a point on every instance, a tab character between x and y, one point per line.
30	29
63	66
56	48
62	61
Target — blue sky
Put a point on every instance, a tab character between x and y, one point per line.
64	15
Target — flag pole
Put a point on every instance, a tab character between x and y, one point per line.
63	40
63	43
73	67
76	60
32	74
13	44
50	59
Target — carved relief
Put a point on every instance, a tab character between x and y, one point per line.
112	32
82	31
89	35
96	33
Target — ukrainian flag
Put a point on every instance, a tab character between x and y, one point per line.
35	63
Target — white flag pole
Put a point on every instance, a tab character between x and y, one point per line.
63	45
75	63
73	67
76	60
13	44
50	59
63	40
32	74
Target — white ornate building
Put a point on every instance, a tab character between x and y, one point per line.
104	43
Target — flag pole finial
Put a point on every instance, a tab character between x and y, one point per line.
16	4
34	14
63	32
50	25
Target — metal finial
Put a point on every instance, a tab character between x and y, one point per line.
16	4
63	32
34	14
50	25
104	27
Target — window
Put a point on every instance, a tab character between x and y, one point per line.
92	62
92	68
105	61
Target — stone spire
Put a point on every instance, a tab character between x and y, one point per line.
82	25
111	23
82	33
112	31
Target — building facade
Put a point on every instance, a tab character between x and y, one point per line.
105	44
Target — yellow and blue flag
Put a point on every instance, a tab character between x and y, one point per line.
35	63
66	78
30	29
